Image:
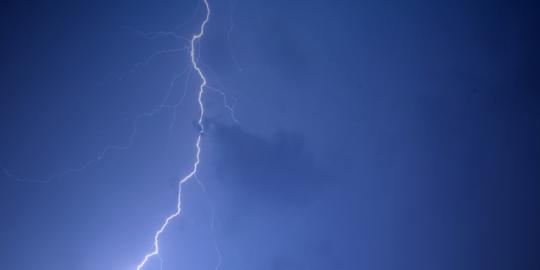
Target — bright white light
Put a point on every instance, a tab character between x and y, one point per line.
194	40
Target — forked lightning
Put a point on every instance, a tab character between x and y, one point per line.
194	41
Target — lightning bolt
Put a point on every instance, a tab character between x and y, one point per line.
157	109
194	41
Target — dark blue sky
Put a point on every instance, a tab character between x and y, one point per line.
374	135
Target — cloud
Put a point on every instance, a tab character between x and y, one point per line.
277	169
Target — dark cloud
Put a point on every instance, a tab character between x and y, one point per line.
277	169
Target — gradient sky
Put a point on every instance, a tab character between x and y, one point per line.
374	135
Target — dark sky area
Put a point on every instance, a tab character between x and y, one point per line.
374	135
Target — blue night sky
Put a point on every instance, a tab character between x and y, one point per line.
370	135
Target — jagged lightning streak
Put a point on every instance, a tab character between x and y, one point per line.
194	40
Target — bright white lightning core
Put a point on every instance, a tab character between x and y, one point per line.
194	41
